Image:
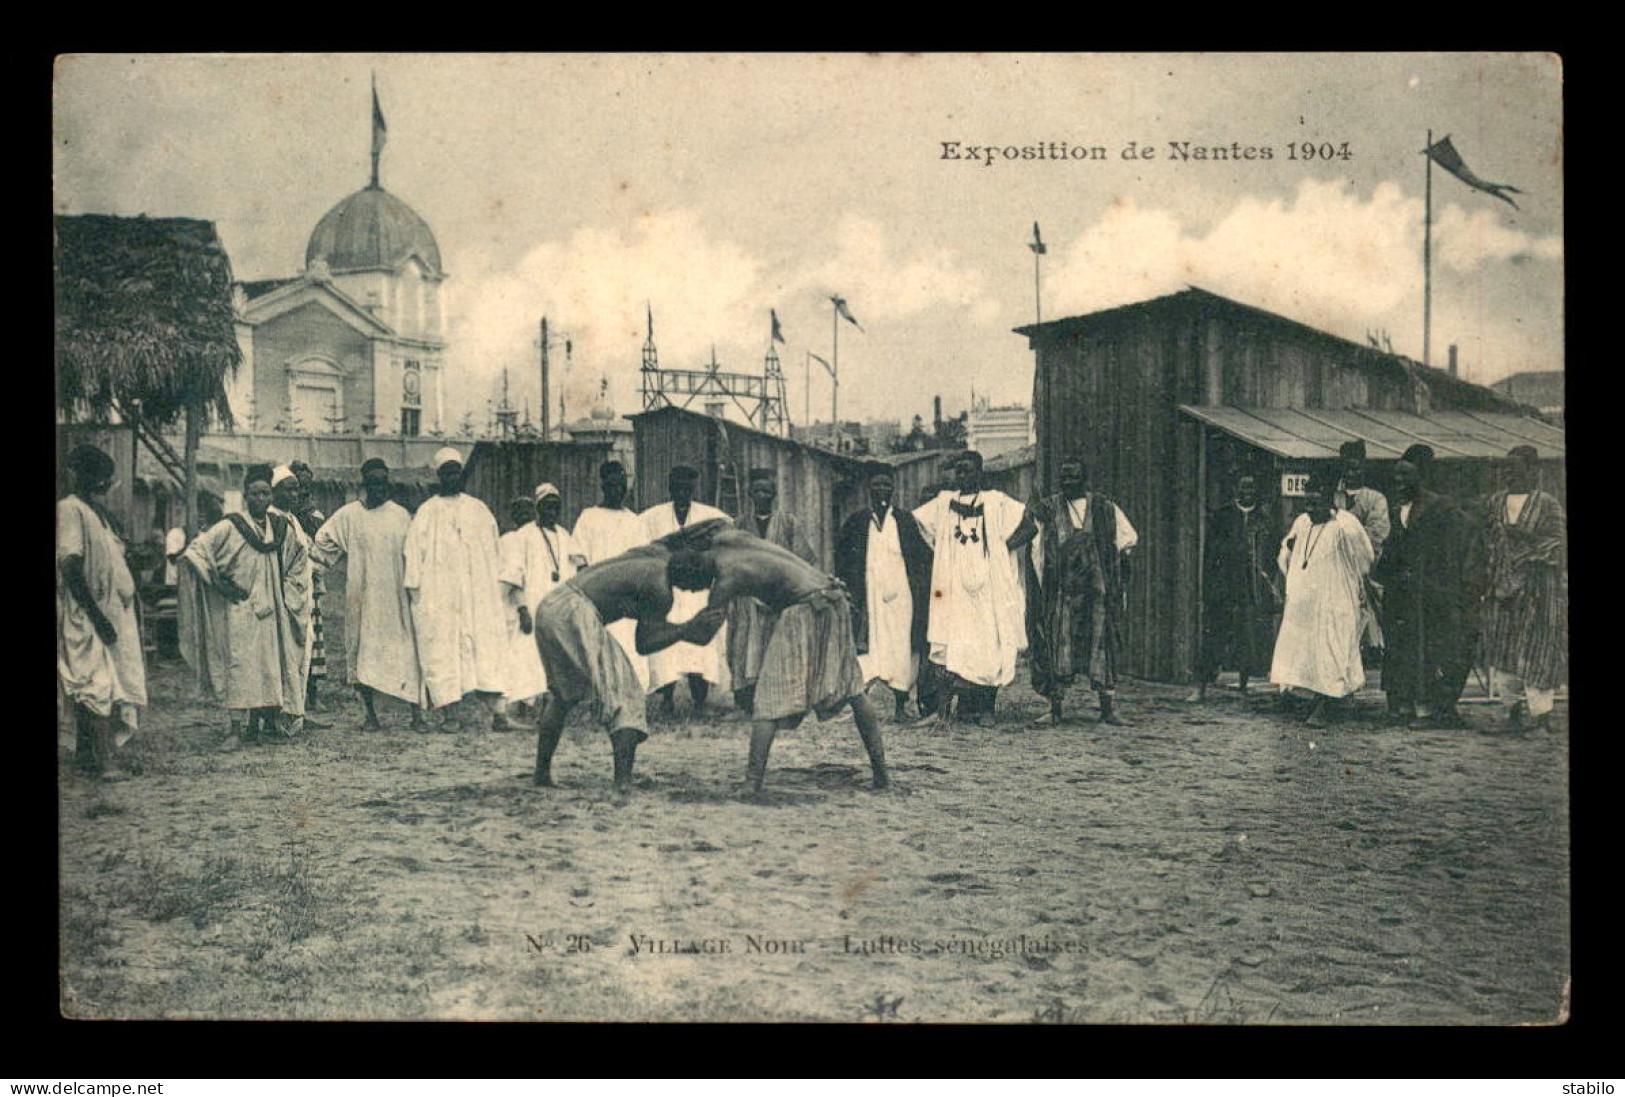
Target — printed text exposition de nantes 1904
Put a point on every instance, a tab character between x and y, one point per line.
1138	151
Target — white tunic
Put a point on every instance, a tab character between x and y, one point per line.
108	680
379	646
603	532
978	605
1318	647
665	667
534	561
890	608
457	604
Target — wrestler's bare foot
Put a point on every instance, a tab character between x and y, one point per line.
1114	720
1048	720
371	724
881	783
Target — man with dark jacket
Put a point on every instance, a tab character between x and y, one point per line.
885	562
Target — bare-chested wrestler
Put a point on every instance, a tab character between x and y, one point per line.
810	663
584	662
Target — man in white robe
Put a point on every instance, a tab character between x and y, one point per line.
885	562
245	600
98	652
1325	556
703	666
606	531
369	537
978	604
451	575
536	557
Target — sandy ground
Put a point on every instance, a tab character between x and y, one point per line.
1210	864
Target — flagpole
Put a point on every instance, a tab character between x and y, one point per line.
834	373
1427	255
375	149
1038	287
806	390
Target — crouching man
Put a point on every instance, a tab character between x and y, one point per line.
809	664
583	662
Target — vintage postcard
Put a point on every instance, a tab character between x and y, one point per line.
1011	538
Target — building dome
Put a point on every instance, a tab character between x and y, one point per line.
369	230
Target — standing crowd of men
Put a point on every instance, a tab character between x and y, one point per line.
441	610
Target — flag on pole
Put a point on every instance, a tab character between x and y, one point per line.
840	307
380	132
1443	153
778	333
821	362
1038	243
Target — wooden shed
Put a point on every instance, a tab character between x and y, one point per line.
497	472
915	473
819	487
1166	399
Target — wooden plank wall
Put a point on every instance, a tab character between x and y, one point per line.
1112	389
118	443
820	488
499	471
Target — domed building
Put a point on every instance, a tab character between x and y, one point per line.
356	342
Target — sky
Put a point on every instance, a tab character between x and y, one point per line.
712	188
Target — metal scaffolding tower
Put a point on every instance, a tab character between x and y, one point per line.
759	398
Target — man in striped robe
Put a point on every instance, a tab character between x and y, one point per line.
1078	577
1525	638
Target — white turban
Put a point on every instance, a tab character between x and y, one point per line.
544	490
444	454
281	473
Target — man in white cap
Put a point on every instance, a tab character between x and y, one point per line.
536	557
606	531
451	576
701	665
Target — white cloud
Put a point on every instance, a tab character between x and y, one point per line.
1466	241
880	282
593	288
704	289
1327	257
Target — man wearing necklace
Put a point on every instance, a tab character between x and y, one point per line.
883	558
98	650
702	665
978	606
1325	557
1078	571
536	557
245	601
749	621
380	648
1241	589
1525	638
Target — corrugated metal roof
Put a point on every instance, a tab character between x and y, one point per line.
1310	433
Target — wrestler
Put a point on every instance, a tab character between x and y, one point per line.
810	663
584	662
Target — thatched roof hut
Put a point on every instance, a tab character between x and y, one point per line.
144	317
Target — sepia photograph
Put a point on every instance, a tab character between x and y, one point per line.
1010	538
